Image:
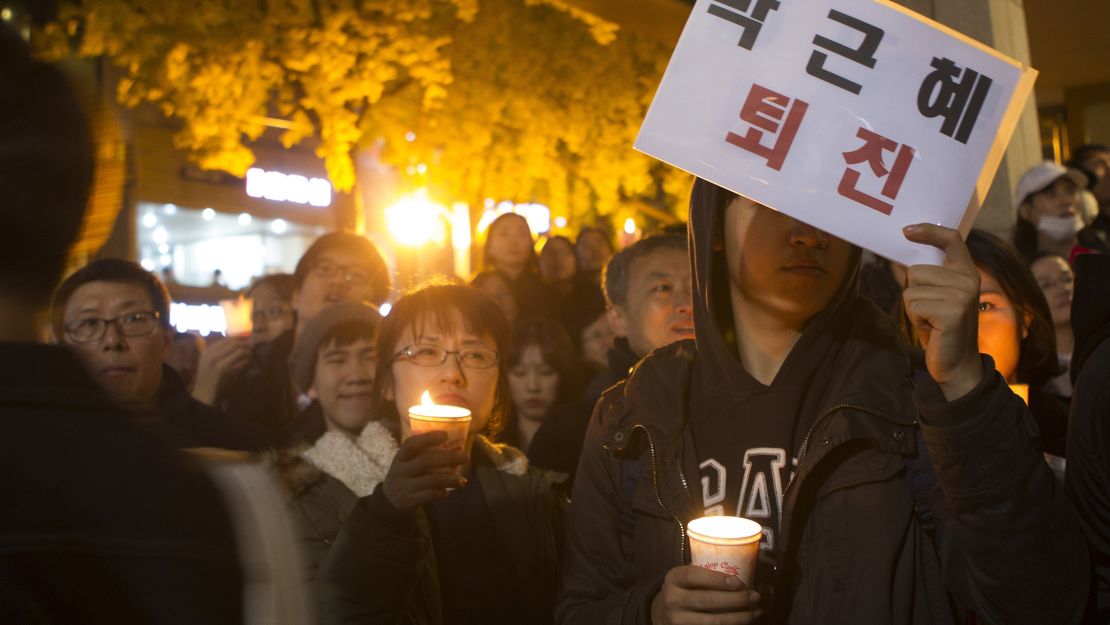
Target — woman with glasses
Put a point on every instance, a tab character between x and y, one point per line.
450	536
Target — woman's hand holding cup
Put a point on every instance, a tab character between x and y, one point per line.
422	471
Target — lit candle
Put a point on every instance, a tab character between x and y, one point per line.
427	416
728	544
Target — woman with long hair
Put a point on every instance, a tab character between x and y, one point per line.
1057	282
510	250
1015	329
461	535
544	374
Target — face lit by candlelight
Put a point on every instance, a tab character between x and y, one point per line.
446	383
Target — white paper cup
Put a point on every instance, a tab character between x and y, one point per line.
453	420
729	544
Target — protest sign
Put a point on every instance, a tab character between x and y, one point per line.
858	117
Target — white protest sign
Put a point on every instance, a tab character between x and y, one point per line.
858	117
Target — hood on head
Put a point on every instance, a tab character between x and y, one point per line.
712	303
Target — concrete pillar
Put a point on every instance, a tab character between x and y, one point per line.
999	24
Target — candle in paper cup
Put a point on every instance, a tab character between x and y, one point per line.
431	417
729	544
1021	390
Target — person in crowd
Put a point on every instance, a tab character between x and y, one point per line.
544	374
594	249
649	292
1094	161
449	536
1087	481
510	250
337	267
800	407
101	522
184	356
882	281
1016	330
1056	280
114	315
335	358
578	299
271	307
495	286
595	339
1048	219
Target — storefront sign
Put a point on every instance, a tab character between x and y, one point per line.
856	116
279	187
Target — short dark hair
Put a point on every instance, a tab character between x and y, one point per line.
616	272
362	247
46	169
110	270
280	282
504	218
558	352
1081	155
1038	361
593	230
434	305
346	333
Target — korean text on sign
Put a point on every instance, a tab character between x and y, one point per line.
856	116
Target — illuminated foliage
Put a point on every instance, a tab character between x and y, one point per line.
525	100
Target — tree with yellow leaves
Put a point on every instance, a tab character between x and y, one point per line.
523	100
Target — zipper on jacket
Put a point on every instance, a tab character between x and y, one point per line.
827	413
659	496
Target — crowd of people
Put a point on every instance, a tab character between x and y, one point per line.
919	445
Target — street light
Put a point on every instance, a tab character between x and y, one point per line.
415	220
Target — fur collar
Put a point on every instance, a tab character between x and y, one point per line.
362	463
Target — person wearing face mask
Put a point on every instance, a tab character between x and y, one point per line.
449	536
1048	218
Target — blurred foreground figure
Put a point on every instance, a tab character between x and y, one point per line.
101	522
1088	478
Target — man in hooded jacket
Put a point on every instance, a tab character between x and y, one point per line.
892	487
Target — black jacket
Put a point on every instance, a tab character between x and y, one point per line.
187	422
558	443
101	522
1087	479
264	393
905	508
382	567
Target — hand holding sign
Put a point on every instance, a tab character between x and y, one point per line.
943	305
857	117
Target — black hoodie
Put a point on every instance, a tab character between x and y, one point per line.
1087	479
862	538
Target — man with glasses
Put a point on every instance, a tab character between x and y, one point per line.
338	267
114	315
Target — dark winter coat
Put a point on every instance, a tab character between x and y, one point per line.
1087	480
904	509
101	522
382	567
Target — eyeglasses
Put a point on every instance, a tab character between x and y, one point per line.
352	274
434	356
132	324
270	313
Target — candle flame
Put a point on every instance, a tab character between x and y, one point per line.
426	399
